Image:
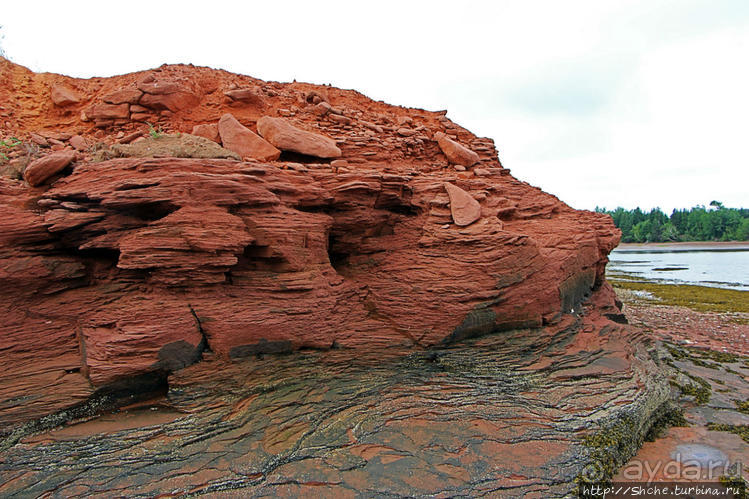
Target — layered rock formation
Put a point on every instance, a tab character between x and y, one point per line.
499	416
335	222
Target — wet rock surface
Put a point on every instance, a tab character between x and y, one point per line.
707	445
470	419
708	370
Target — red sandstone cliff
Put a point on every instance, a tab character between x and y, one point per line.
384	225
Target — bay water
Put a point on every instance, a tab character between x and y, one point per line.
722	265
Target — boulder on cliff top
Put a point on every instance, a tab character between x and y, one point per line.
247	95
167	93
63	96
287	137
243	141
106	111
464	208
207	130
456	153
126	95
40	170
79	143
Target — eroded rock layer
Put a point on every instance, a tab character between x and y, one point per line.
474	419
149	249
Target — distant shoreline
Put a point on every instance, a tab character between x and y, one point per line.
688	244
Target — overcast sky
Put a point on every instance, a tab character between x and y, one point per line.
608	103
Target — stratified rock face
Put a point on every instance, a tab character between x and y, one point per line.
136	265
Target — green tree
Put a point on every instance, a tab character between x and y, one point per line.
742	231
679	219
715	223
641	231
670	233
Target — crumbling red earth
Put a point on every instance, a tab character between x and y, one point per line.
349	223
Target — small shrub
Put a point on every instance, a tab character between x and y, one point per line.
154	132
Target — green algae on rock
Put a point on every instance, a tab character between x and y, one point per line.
740	430
700	298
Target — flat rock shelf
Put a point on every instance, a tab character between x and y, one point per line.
475	418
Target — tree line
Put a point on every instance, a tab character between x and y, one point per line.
712	223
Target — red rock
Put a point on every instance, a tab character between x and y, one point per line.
103	122
117	261
372	126
154	85
55	135
337	118
171	102
135	323
170	94
287	137
127	95
193	244
63	96
207	130
38	140
126	139
243	141
248	95
45	167
464	208
456	153
321	108
108	111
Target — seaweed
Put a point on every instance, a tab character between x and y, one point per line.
699	298
741	430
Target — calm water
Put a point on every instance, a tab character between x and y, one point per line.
723	266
